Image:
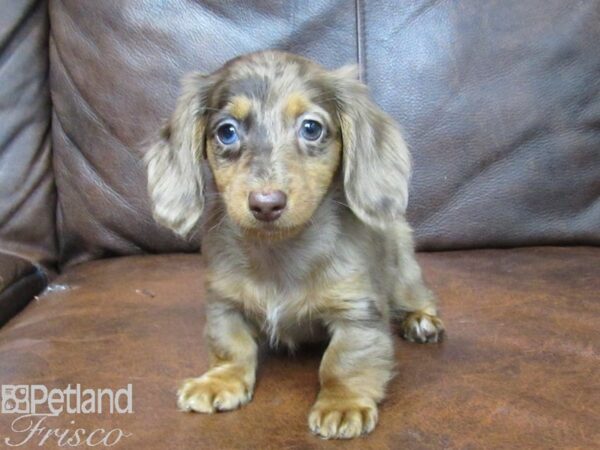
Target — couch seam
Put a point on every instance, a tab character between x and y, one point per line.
58	238
362	70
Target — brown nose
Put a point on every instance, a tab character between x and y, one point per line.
267	206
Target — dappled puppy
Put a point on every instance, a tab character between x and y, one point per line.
297	183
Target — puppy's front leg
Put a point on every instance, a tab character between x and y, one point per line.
229	383
354	371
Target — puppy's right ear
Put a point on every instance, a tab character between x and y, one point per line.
173	163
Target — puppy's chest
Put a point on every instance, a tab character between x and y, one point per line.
286	311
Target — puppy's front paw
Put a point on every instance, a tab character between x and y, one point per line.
421	327
342	418
213	391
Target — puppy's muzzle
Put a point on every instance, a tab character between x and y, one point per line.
267	206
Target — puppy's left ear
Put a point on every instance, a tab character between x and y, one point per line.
376	161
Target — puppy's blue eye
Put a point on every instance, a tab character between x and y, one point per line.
311	130
227	134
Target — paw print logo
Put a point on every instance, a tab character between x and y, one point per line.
15	399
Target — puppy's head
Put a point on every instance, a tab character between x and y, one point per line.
274	129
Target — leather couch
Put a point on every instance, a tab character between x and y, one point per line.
500	104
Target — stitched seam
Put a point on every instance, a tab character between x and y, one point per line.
362	71
58	238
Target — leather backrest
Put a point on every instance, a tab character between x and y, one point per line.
499	103
27	192
115	71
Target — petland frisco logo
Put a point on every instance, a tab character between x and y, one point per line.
36	405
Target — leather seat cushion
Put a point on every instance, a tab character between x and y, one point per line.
519	367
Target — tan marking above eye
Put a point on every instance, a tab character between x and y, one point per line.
296	105
239	107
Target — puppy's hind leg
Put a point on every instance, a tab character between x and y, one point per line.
413	305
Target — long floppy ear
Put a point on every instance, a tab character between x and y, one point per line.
173	163
376	161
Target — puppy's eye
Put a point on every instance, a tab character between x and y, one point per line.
227	134
311	130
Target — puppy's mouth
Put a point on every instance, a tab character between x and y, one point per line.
273	231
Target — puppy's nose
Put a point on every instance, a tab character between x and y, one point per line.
267	206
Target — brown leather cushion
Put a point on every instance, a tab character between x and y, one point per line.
519	368
27	190
499	101
20	280
500	104
115	75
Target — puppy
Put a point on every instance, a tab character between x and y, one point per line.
300	184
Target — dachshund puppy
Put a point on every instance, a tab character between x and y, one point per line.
298	183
